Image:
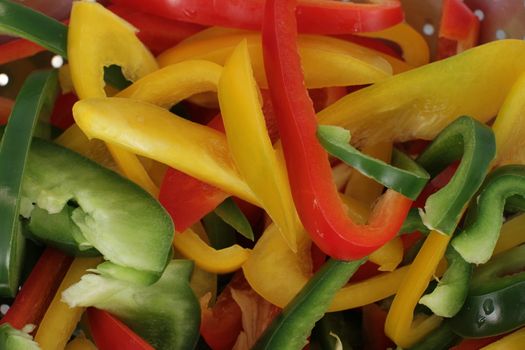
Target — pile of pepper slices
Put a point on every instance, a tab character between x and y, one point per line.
319	183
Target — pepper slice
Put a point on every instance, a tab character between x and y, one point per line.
309	171
477	240
34	101
458	30
490	308
292	326
19	20
428	98
318	16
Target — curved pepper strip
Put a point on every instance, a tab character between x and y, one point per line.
60	320
477	240
292	326
491	308
414	46
148	130
35	101
322	17
475	144
250	145
509	126
343	63
114	43
314	193
409	178
458	30
428	98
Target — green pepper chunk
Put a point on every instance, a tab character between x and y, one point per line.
35	99
233	216
475	144
494	302
477	241
110	213
166	314
408	178
292	326
14	339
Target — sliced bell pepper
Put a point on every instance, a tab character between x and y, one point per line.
475	143
12	338
34	101
458	29
511	234
19	20
478	238
374	337
509	126
157	33
475	344
166	314
511	341
320	16
314	193
109	333
80	343
428	98
490	308
292	326
17	49
413	46
55	176
440	339
203	152
37	291
230	213
345	63
250	145
60	320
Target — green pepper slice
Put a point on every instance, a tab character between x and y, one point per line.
493	303
409	179
477	241
475	144
35	99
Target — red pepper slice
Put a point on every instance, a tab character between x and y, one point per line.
109	333
157	33
459	29
314	16
38	290
476	344
313	190
18	49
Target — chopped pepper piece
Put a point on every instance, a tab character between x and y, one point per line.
34	100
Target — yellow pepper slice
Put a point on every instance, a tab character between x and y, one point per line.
92	47
98	38
344	64
80	343
226	260
511	234
509	126
415	48
155	133
421	102
60	320
251	146
399	325
513	341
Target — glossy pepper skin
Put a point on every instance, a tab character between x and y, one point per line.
492	304
57	177
319	16
313	191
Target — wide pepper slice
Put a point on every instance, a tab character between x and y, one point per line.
428	98
314	193
318	16
344	63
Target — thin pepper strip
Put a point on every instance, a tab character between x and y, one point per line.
321	17
250	145
309	172
458	30
34	101
428	98
344	63
60	320
292	326
512	341
39	288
